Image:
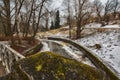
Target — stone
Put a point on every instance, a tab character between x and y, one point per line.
51	66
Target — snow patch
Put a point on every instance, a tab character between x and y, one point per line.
112	26
45	47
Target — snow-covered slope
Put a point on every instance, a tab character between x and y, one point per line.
110	43
97	25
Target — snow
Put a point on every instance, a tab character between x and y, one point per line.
93	25
45	47
114	60
110	42
70	50
71	53
112	26
76	54
97	25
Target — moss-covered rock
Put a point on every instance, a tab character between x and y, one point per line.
50	66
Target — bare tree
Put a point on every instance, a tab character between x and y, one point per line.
18	6
39	17
29	19
2	24
111	6
6	14
22	17
46	18
69	17
116	4
98	9
82	10
107	9
34	14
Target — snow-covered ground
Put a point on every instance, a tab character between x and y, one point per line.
112	26
97	25
110	46
93	25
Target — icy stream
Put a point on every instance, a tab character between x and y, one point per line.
66	50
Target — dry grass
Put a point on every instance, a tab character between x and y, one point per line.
101	30
25	45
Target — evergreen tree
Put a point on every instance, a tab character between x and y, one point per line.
52	25
57	20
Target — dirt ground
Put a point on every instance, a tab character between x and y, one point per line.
2	70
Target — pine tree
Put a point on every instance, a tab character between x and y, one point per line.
57	20
52	25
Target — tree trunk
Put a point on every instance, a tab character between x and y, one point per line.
70	31
18	32
78	30
69	23
8	19
17	21
47	20
28	22
3	24
39	17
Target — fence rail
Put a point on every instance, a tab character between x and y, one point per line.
8	57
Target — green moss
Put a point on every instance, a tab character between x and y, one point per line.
38	67
55	67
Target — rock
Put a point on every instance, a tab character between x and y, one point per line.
98	46
50	66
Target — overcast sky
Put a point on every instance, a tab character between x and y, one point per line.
103	1
57	3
